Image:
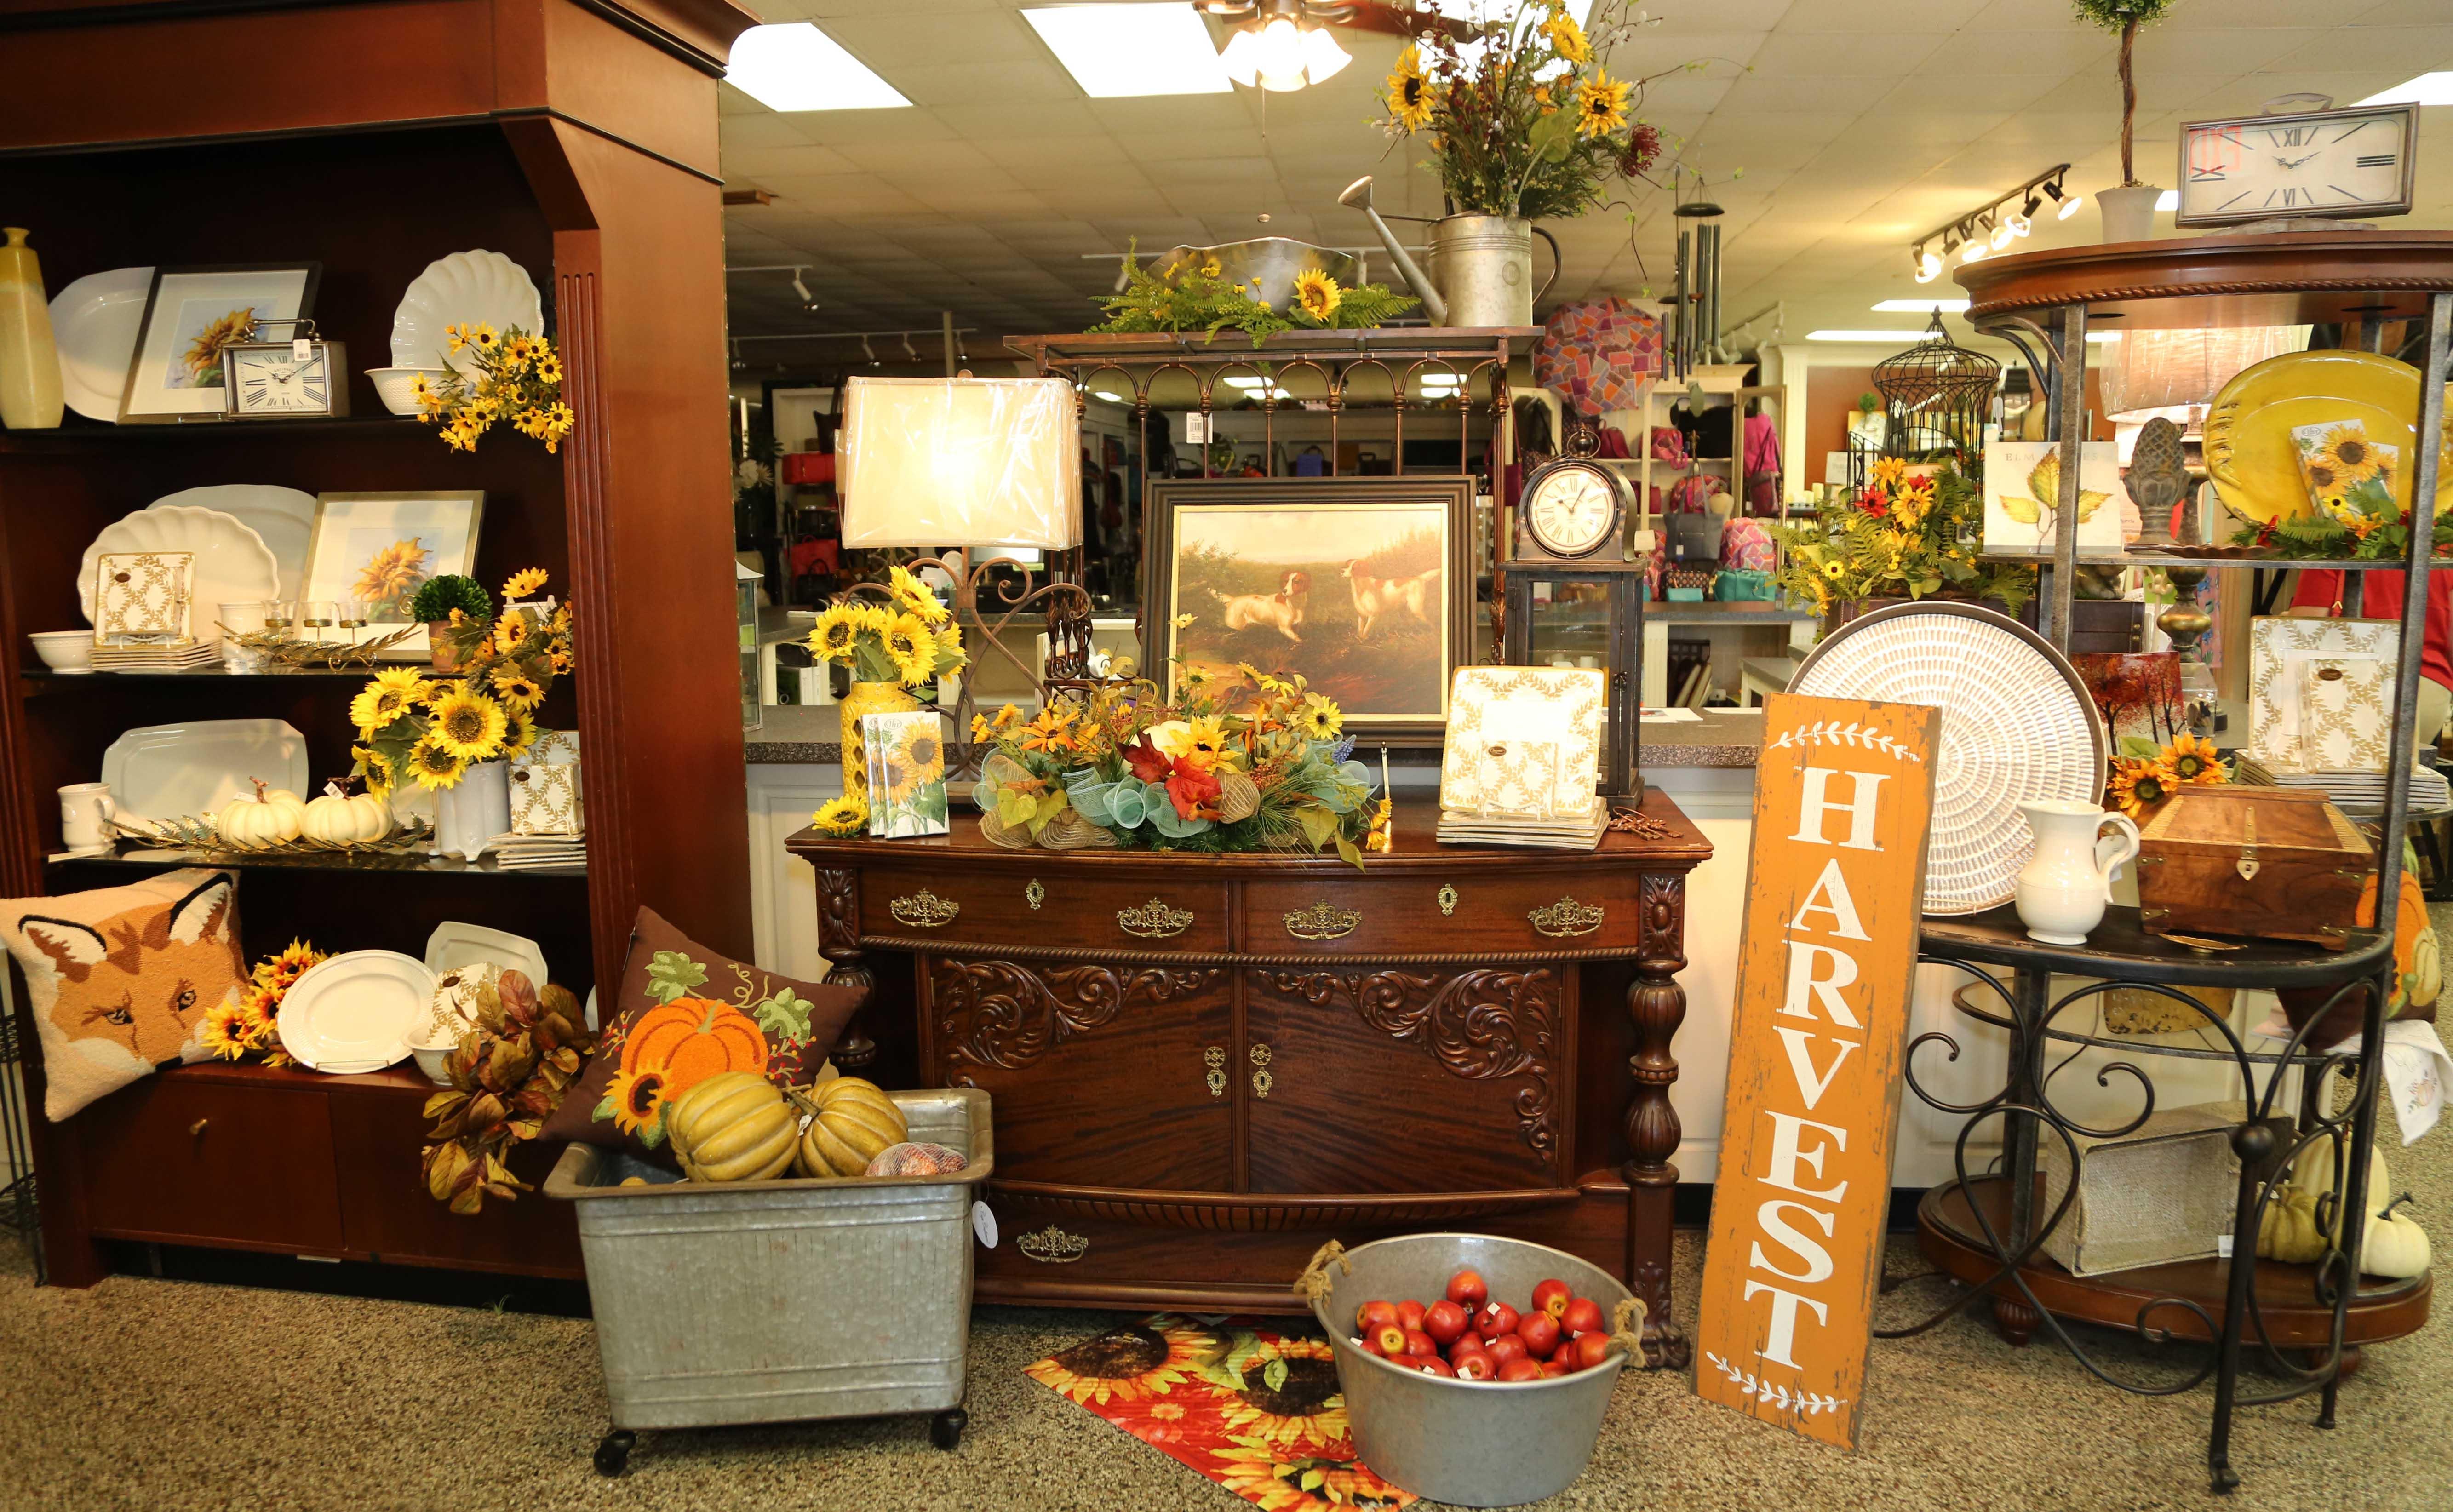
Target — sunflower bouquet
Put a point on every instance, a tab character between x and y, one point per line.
1898	537
1199	296
909	639
2145	773
414	727
1525	121
518	381
250	1024
1259	764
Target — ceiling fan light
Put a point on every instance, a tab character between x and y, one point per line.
1323	58
1241	57
1280	53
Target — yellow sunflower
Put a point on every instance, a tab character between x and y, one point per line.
524	582
1274	1482
922	751
1318	718
1566	38
2193	759
638	1098
510	631
1888	471
1601	105
432	767
519	733
204	357
1411	97
915	596
847	815
549	371
226	1031
910	648
1317	294
2138	785
1304	1408
376	770
386	699
391	574
2353	457
467	725
516	689
291	963
1147	1359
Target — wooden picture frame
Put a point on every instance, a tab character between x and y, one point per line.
338	565
1384	646
170	332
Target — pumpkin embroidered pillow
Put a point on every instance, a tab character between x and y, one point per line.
120	979
683	1014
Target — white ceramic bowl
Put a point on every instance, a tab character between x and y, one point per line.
65	650
431	1062
397	387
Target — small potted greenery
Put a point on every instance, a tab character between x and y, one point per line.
435	605
2129	209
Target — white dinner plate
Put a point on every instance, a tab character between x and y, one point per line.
170	772
95	322
454	944
355	1013
284	519
233	565
473	288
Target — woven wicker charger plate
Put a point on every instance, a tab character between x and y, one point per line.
2017	727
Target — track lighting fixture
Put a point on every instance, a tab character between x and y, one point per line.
1993	226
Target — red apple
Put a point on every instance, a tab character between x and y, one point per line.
1436	1367
1468	1289
1551	1369
1552	1296
1495	1318
1445	1322
1410	1312
1540	1332
1372	1314
1520	1369
1506	1348
1591	1350
1390	1336
1582	1315
1473	1365
1420	1344
1366	1344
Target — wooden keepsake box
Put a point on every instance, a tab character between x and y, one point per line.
2271	863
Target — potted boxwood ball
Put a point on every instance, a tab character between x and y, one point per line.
434	605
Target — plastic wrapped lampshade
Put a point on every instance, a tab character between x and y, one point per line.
960	462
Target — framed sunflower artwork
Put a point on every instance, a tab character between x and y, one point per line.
190	314
906	773
375	550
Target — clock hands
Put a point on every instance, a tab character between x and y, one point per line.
2295	162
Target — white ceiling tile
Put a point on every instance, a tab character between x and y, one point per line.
905	161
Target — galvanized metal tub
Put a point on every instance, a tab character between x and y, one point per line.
1470	1443
1269	264
764	1301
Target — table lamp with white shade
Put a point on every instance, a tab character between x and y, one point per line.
964	465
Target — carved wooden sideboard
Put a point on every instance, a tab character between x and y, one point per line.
1203	1066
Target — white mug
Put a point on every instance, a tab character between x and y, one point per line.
84	806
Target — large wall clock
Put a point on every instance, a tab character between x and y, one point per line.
2331	164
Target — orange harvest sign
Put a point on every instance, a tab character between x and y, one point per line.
1844	793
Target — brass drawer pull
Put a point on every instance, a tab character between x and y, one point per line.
1448	898
924	910
1153	920
1321	921
1565	919
196	1130
1215	1059
1034	895
1052	1246
1262	1080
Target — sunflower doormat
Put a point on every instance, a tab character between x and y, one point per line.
1258	1412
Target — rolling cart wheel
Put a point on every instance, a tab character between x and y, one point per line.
613	1451
946	1428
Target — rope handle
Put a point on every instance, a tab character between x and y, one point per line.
1626	1327
1315	1282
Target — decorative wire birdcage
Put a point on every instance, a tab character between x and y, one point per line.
1936	397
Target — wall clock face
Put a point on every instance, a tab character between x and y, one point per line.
2327	163
1571	508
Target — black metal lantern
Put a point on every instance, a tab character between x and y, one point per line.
1936	396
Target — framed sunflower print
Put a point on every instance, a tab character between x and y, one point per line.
906	773
1362	585
190	314
375	550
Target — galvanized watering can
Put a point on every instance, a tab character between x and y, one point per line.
1481	270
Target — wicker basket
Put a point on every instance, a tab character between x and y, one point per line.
2161	1193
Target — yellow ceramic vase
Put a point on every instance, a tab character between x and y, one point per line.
29	362
866	698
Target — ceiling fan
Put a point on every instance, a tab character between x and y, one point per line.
1360	15
1284	44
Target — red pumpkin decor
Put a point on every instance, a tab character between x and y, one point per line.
692	1038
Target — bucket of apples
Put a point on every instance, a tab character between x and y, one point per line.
1476	1370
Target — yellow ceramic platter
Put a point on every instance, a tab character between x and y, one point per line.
2250	451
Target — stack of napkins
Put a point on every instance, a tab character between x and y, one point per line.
518	852
1521	761
184	654
2353	792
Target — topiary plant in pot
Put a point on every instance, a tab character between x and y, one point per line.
2129	211
438	601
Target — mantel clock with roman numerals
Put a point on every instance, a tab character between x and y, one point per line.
2319	164
286	380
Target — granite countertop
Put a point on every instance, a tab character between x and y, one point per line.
810	734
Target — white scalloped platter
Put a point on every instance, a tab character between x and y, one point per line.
471	287
233	565
95	322
284	519
2017	727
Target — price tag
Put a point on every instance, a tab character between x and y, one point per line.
984	1225
2223	1246
302	349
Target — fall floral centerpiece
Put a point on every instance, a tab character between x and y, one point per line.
518	381
251	1024
1910	533
416	728
908	640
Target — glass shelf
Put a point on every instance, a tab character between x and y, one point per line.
429	866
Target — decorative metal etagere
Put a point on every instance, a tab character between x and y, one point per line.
1988	1231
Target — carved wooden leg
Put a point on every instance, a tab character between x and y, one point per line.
1657	1006
839	942
2013	1319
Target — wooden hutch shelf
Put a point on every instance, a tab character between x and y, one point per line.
578	137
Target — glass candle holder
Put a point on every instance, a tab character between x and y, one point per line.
235	620
318	620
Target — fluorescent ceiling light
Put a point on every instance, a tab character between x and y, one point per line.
1115	50
1102	393
1923	306
1904	338
796	67
2429	89
2104	335
1499	10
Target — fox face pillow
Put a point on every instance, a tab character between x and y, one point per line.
120	979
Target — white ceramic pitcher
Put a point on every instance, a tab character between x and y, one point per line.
2066	885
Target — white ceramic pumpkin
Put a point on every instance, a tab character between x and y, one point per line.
2393	1246
270	816
341	818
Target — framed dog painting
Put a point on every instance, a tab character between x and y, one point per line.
1364	585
